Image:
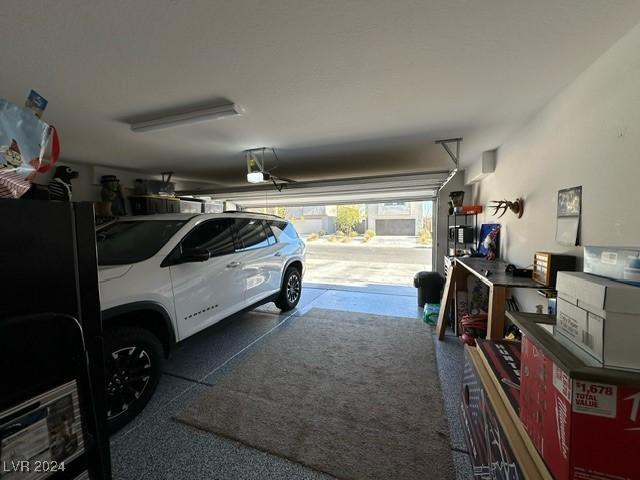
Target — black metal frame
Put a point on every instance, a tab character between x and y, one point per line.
455	226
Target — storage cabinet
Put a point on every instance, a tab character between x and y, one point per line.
52	364
547	265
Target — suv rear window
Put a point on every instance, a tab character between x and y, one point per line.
251	234
132	241
214	235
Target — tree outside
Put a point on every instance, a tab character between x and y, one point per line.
281	212
348	217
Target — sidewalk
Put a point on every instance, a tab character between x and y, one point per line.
355	264
377	241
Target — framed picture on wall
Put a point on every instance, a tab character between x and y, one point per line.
570	202
569	215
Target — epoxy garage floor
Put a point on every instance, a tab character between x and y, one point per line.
154	446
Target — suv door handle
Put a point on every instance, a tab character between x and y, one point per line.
233	264
277	254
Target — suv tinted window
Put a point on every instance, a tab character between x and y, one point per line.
215	236
133	241
271	238
251	234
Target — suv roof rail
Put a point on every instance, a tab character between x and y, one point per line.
255	213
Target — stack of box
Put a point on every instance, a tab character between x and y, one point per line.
580	395
585	422
599	320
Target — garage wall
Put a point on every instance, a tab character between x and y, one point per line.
588	135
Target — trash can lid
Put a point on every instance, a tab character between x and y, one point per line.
422	279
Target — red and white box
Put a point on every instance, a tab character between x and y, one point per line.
584	421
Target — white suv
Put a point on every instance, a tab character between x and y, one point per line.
165	277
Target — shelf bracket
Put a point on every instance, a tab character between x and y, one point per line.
455	157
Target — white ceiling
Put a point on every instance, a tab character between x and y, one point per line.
340	88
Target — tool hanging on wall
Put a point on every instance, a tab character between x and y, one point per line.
517	207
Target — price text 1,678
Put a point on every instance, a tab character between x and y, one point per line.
594	388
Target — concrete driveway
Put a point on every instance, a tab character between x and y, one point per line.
382	261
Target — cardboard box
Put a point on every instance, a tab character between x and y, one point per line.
502	358
545	393
572	330
497	448
585	429
600	318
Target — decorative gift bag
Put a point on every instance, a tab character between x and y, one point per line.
23	142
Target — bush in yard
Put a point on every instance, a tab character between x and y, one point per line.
424	237
347	217
312	237
339	234
370	233
353	234
322	233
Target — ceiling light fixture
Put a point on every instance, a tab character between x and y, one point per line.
192	116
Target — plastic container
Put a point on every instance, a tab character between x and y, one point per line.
430	313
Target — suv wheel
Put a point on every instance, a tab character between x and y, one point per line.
133	358
291	290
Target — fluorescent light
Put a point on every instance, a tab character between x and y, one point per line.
192	116
257	177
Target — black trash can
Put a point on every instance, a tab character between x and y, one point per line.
429	285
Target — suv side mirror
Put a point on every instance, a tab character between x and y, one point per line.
195	255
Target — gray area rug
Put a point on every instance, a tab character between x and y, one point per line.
353	395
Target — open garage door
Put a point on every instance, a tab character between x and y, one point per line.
345	191
388	241
365	244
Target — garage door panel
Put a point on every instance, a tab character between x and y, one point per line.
415	187
395	226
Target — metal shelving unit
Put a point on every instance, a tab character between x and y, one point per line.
462	232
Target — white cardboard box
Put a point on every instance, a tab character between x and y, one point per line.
600	318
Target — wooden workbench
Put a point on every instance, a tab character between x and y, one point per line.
491	273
